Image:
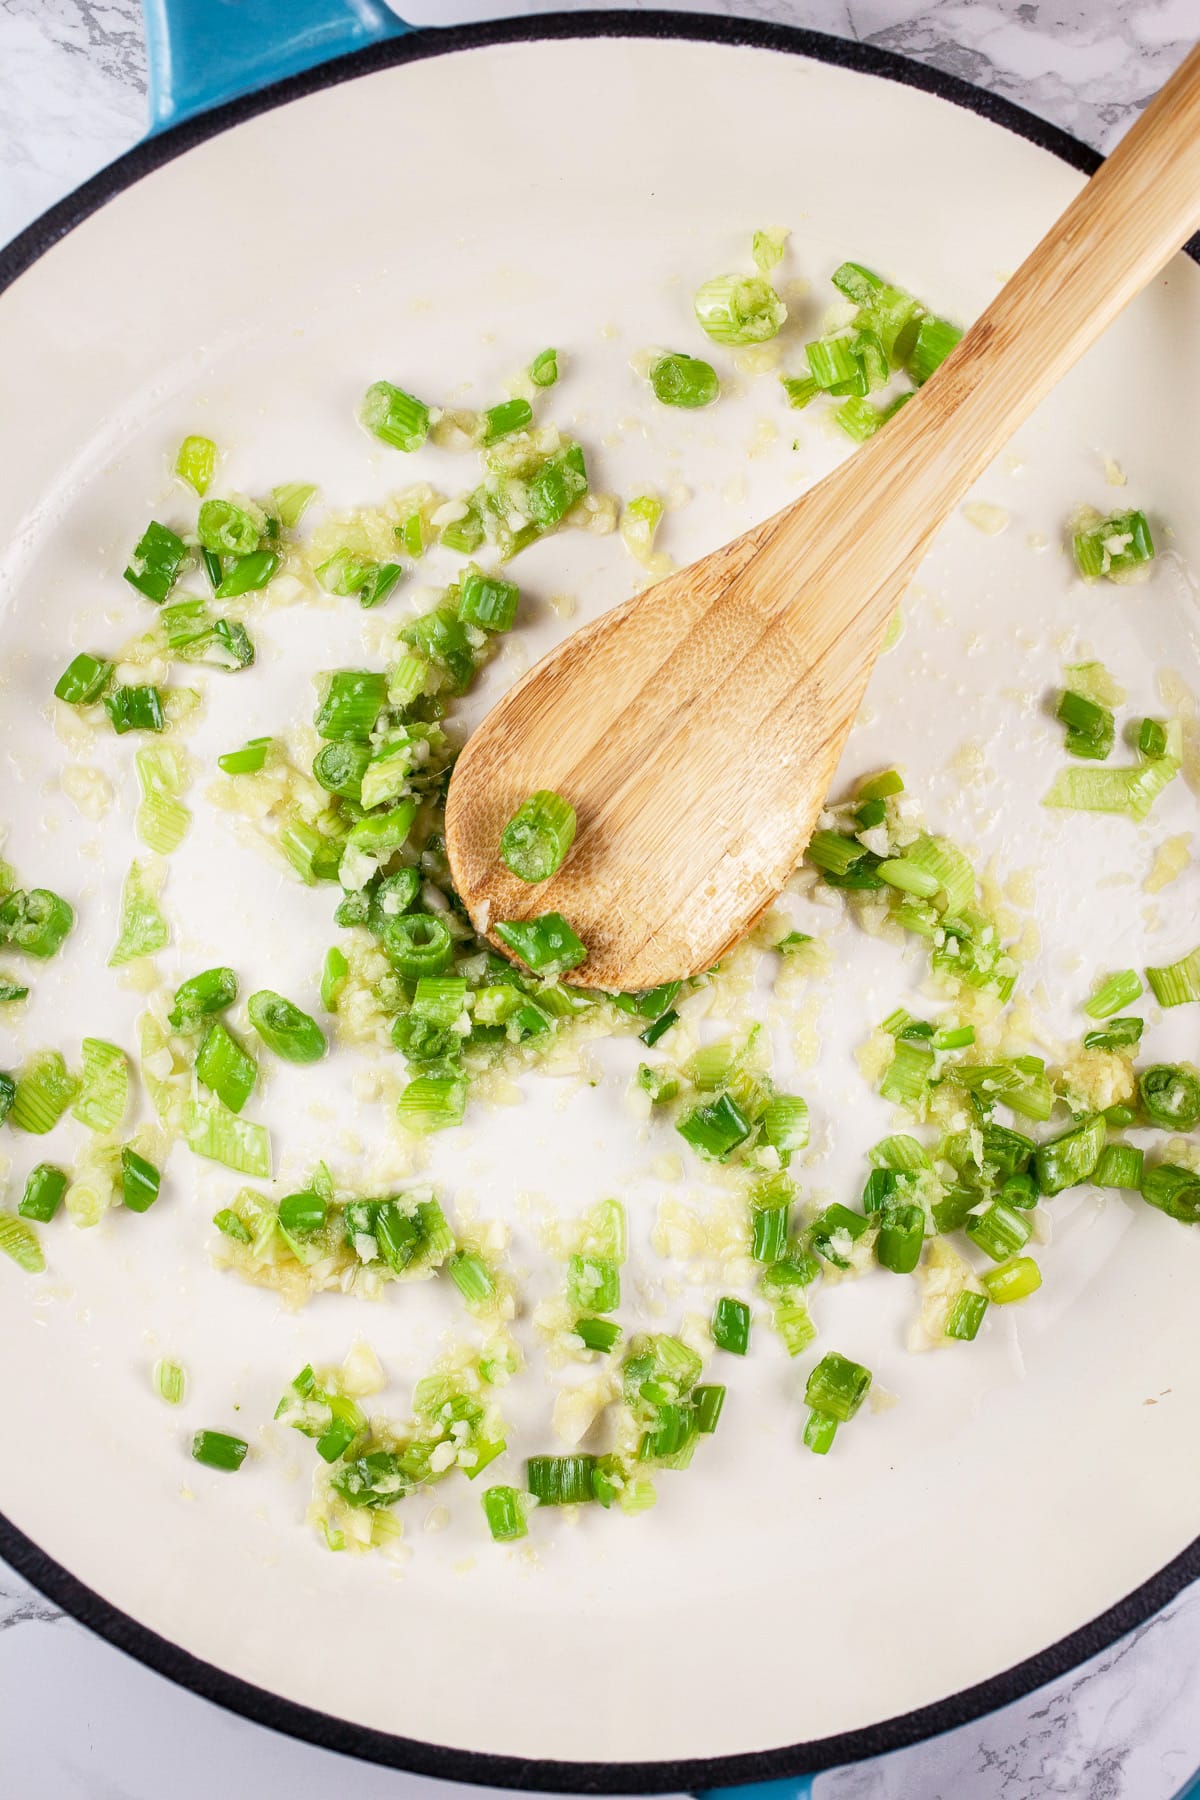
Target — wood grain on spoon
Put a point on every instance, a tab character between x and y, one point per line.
696	727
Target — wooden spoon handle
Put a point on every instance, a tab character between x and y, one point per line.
1140	206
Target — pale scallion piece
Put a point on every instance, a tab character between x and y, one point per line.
44	1091
143	930
162	819
1114	994
169	1381
195	461
535	842
1176	983
739	309
104	1086
19	1241
213	1131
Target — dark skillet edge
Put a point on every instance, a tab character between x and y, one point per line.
303	1722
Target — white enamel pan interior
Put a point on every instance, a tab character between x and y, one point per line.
438	218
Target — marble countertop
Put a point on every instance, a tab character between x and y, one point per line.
79	1721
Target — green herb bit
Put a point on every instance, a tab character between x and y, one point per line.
1114	993
731	1325
134	709
1177	983
140	1181
195	461
43	1092
488	601
560	1480
394	417
218	1450
283	1028
83	680
1172	1190
1012	1281
535	842
966	1316
353	701
226	1068
601	1335
687	381
248	760
1170	1096
36	923
504	1507
837	1386
1113	547
1091	728
19	1241
543	370
156	561
44	1188
501	421
546	945
739	309
201	996
936	338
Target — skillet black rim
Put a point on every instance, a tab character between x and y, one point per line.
304	1722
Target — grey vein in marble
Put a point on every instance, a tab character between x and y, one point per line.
1125	1726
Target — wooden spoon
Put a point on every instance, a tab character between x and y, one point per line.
696	728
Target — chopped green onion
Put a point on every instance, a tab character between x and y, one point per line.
716	1129
820	1429
228	1222
837	1386
680	380
833	853
291	501
543	370
999	1231
36	923
43	1093
134	709
858	418
104	1086
739	309
284	1029
966	1316
1091	729
731	1325
504	1507
901	1236
471	1276
156	561
906	1080
8	1093
201	996
659	1028
44	1189
1115	992
247	576
601	1335
1070	1158
195	461
333	973
395	417
228	529
464	535
1012	1281
225	1068
801	390
785	1124
301	1214
1114	546
140	1181
501	421
218	1450
560	1480
353	701
19	1241
834	365
488	601
881	1185
594	1283
535	842
1177	983
856	282
213	1131
936	338
1151	738
547	945
1021	1084
834	1232
1171	1096
418	944
432	1103
1173	1190
708	1400
11	990
1119	1166
169	1381
142	928
247	761
83	680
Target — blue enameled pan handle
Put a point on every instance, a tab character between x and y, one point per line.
204	52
